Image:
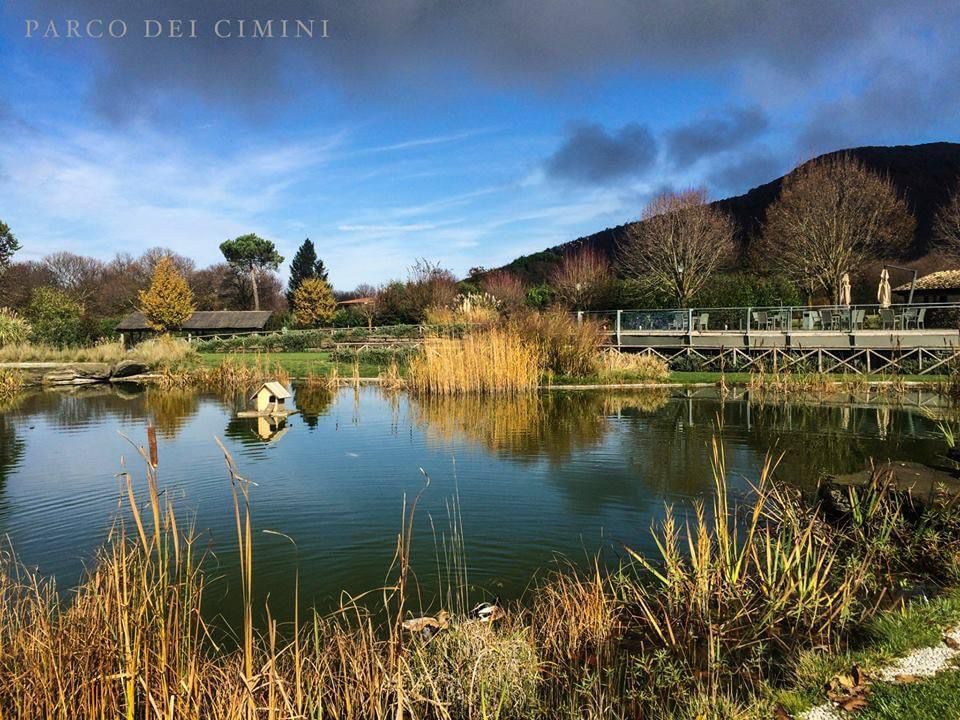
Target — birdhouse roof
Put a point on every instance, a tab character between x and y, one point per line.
274	388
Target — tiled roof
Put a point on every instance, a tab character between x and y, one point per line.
943	280
208	320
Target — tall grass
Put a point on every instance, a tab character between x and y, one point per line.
227	376
494	361
156	352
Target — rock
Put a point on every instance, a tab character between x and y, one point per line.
78	374
127	368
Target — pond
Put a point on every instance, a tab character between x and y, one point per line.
562	475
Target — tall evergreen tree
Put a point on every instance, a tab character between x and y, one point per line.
305	265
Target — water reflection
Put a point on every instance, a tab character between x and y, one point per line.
562	472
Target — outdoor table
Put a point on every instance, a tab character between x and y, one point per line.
810	320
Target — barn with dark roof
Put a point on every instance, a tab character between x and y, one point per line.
202	323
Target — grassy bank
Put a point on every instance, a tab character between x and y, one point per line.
295	364
742	608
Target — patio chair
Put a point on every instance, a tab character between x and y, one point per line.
701	322
857	320
910	315
920	318
828	321
761	320
889	319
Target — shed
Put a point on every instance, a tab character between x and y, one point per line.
204	322
938	287
269	397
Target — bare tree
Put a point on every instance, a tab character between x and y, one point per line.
946	227
79	275
507	288
678	244
832	216
580	277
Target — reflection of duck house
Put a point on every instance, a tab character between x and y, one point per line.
271	427
268	401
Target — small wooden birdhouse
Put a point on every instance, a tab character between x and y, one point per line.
269	398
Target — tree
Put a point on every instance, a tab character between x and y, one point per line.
8	246
678	244
305	264
168	302
580	277
250	253
832	216
946	227
507	288
56	317
313	303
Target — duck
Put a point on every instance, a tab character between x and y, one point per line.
488	612
428	625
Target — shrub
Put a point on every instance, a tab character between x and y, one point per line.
13	328
57	319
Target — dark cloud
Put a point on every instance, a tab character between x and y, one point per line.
714	134
591	154
378	44
898	103
736	175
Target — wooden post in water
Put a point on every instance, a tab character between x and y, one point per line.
152	443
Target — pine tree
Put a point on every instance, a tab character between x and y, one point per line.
168	302
313	303
305	265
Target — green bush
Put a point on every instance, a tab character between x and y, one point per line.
57	319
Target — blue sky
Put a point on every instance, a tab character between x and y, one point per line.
461	131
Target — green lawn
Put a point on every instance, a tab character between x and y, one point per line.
297	364
890	635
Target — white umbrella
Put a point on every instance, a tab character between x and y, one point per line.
845	289
883	292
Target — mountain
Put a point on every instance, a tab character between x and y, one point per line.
924	175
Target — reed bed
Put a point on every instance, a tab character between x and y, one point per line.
490	362
634	366
227	376
164	351
703	629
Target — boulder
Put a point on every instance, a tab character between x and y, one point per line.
128	368
78	374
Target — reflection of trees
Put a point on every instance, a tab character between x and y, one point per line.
79	406
11	451
818	439
170	409
312	400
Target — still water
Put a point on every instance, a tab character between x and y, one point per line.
538	479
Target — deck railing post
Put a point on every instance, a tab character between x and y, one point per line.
579	317
749	316
689	326
619	313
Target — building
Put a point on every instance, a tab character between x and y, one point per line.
269	398
202	323
938	287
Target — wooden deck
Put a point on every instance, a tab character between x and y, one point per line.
880	340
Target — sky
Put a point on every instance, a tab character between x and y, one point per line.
466	132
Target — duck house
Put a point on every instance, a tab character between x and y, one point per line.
269	400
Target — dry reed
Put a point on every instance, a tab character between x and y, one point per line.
495	361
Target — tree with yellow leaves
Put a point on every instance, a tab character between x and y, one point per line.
168	303
313	303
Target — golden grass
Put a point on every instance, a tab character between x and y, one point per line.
228	375
646	368
489	362
156	352
12	383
